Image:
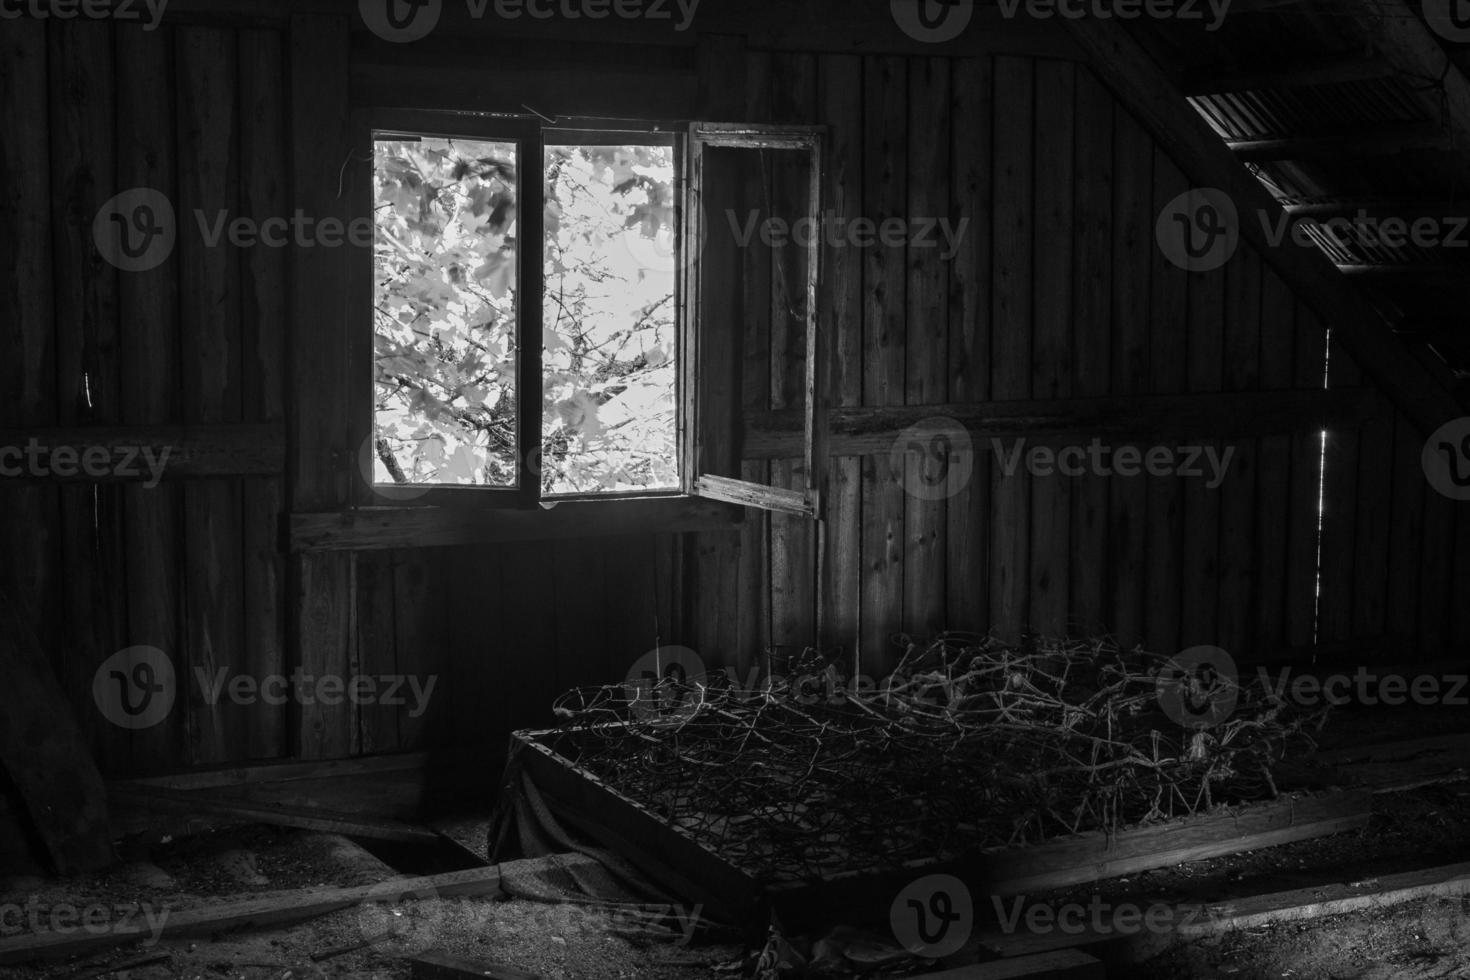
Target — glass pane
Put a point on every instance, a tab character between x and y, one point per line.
445	313
610	360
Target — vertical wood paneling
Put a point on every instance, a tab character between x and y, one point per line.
1339	515
967	533
211	383
885	155
927	338
1053	263
1132	262
793	539
31	574
1090	611
1168	330
263	294
1306	488
1012	320
82	164
1199	613
840	93
1236	496
1273	474
149	345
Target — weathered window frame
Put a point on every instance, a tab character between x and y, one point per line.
806	501
719	498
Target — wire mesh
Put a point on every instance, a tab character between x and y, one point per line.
971	743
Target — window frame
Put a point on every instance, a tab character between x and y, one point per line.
532	134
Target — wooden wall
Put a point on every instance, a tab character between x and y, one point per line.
1057	292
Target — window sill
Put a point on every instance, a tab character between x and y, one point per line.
379	528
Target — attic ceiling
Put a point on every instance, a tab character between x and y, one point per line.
1349	109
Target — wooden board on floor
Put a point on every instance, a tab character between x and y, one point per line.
43	750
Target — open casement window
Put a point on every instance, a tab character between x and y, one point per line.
544	327
753	342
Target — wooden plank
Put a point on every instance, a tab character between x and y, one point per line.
256	912
377	649
147	453
793	539
438	965
1053	343
840	92
1309	373
1132	247
1089	609
1204	372
1384	892
286	772
149	332
1139	84
885	155
967	534
1011	333
30	532
211	386
126	796
1237	628
1062	964
422	636
264	296
1092	856
321	341
1273	475
1168	329
1339	514
926	341
1435	598
83	168
1213	415
45	753
1408	493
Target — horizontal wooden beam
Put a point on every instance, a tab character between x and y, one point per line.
870	431
1318	901
1130	72
159	799
141	454
377	528
285	771
256	912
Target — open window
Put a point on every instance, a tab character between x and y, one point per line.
755	197
543	326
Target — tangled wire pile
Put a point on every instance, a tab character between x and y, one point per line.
971	743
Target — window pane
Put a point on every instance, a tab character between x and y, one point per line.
445	301
610	360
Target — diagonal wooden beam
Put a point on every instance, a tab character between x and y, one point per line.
1130	72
